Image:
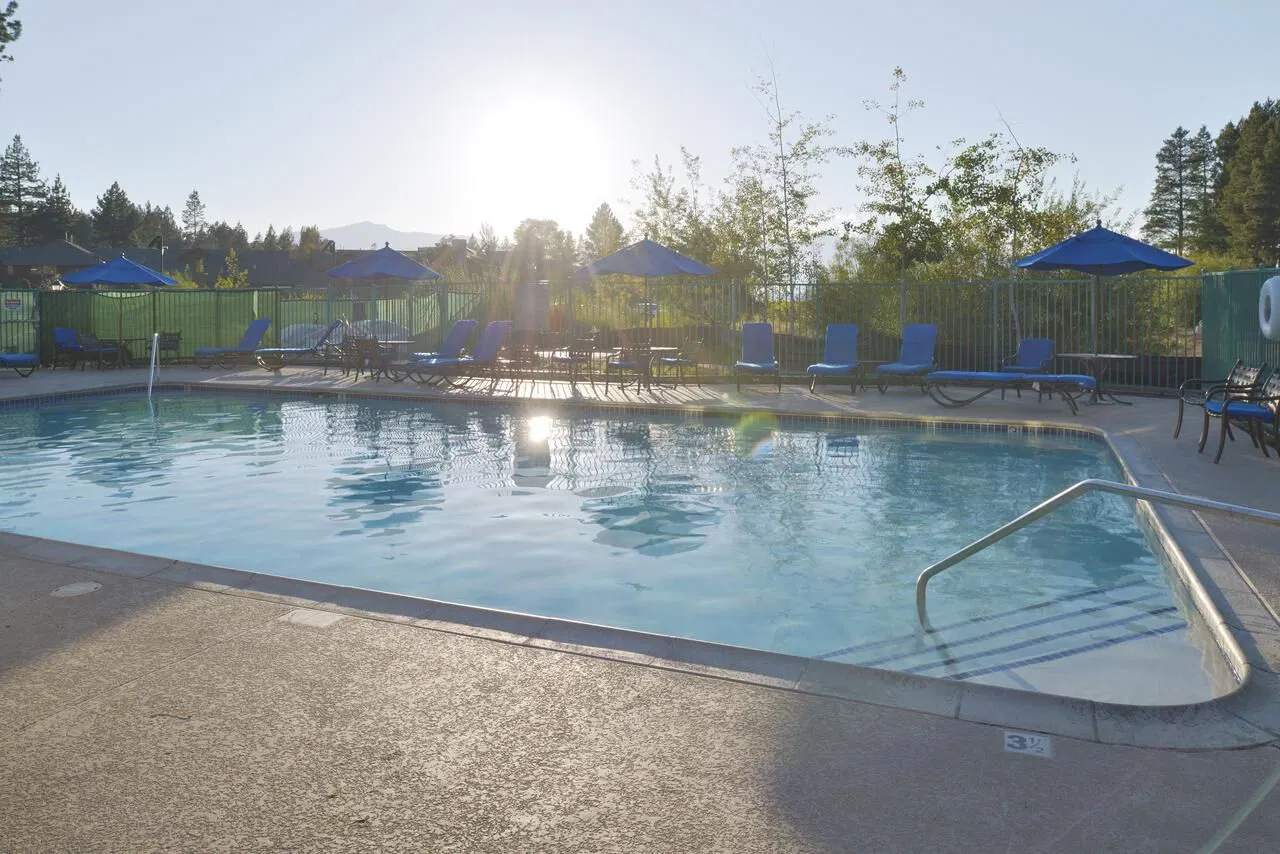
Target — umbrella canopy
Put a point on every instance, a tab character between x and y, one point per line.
120	271
385	263
648	259
1102	252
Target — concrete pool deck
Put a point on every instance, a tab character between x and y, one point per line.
153	715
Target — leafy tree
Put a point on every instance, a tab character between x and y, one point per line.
309	241
193	218
1204	224
604	234
156	227
232	276
10	29
22	192
542	250
285	240
56	218
899	189
783	175
1170	210
115	218
1250	198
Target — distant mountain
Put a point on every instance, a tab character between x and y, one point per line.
364	235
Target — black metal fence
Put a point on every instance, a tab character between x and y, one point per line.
1153	318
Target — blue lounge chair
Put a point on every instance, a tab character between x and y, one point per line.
23	364
482	362
1241	379
839	356
451	348
1034	356
982	383
78	349
1253	409
915	359
757	354
207	357
275	358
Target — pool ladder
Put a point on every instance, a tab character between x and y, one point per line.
1066	496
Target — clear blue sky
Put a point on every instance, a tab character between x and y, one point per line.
440	116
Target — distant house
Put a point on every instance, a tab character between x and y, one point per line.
31	266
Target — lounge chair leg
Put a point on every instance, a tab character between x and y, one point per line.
1177	427
1258	432
1227	424
1204	432
1222	437
813	380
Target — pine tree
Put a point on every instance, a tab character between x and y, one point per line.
10	29
270	240
232	276
285	241
1250	198
1167	212
1206	233
156	226
193	221
308	241
22	192
56	218
115	218
604	234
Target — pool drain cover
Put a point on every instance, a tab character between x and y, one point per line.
78	589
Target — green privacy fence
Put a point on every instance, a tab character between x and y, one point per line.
1231	321
218	318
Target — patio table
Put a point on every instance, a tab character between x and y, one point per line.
1098	365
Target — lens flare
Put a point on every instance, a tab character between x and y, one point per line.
753	434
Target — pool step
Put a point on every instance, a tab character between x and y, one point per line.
1077	624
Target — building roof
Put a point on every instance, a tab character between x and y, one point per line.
59	253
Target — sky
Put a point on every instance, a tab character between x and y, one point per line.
438	117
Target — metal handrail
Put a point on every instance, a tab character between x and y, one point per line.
1068	495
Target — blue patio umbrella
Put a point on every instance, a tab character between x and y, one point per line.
1101	252
119	271
648	259
385	263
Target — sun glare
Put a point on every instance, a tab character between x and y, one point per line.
536	154
539	428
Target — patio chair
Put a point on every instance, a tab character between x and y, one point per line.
23	364
577	359
275	358
455	341
168	342
483	361
757	354
982	383
207	357
1195	391
687	358
915	359
78	349
1034	356
1253	409
363	353
839	356
636	359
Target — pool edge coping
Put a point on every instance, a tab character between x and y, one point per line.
1247	716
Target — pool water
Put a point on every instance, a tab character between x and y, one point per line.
796	537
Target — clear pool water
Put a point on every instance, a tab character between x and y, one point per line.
798	538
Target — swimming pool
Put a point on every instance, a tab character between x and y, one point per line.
802	538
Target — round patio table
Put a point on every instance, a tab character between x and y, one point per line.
1098	365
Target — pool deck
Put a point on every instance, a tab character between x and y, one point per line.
184	708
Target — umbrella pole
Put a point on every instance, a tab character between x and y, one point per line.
1093	317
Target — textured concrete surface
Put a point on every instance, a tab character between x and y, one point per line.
146	716
176	719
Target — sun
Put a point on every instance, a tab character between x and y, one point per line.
535	154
